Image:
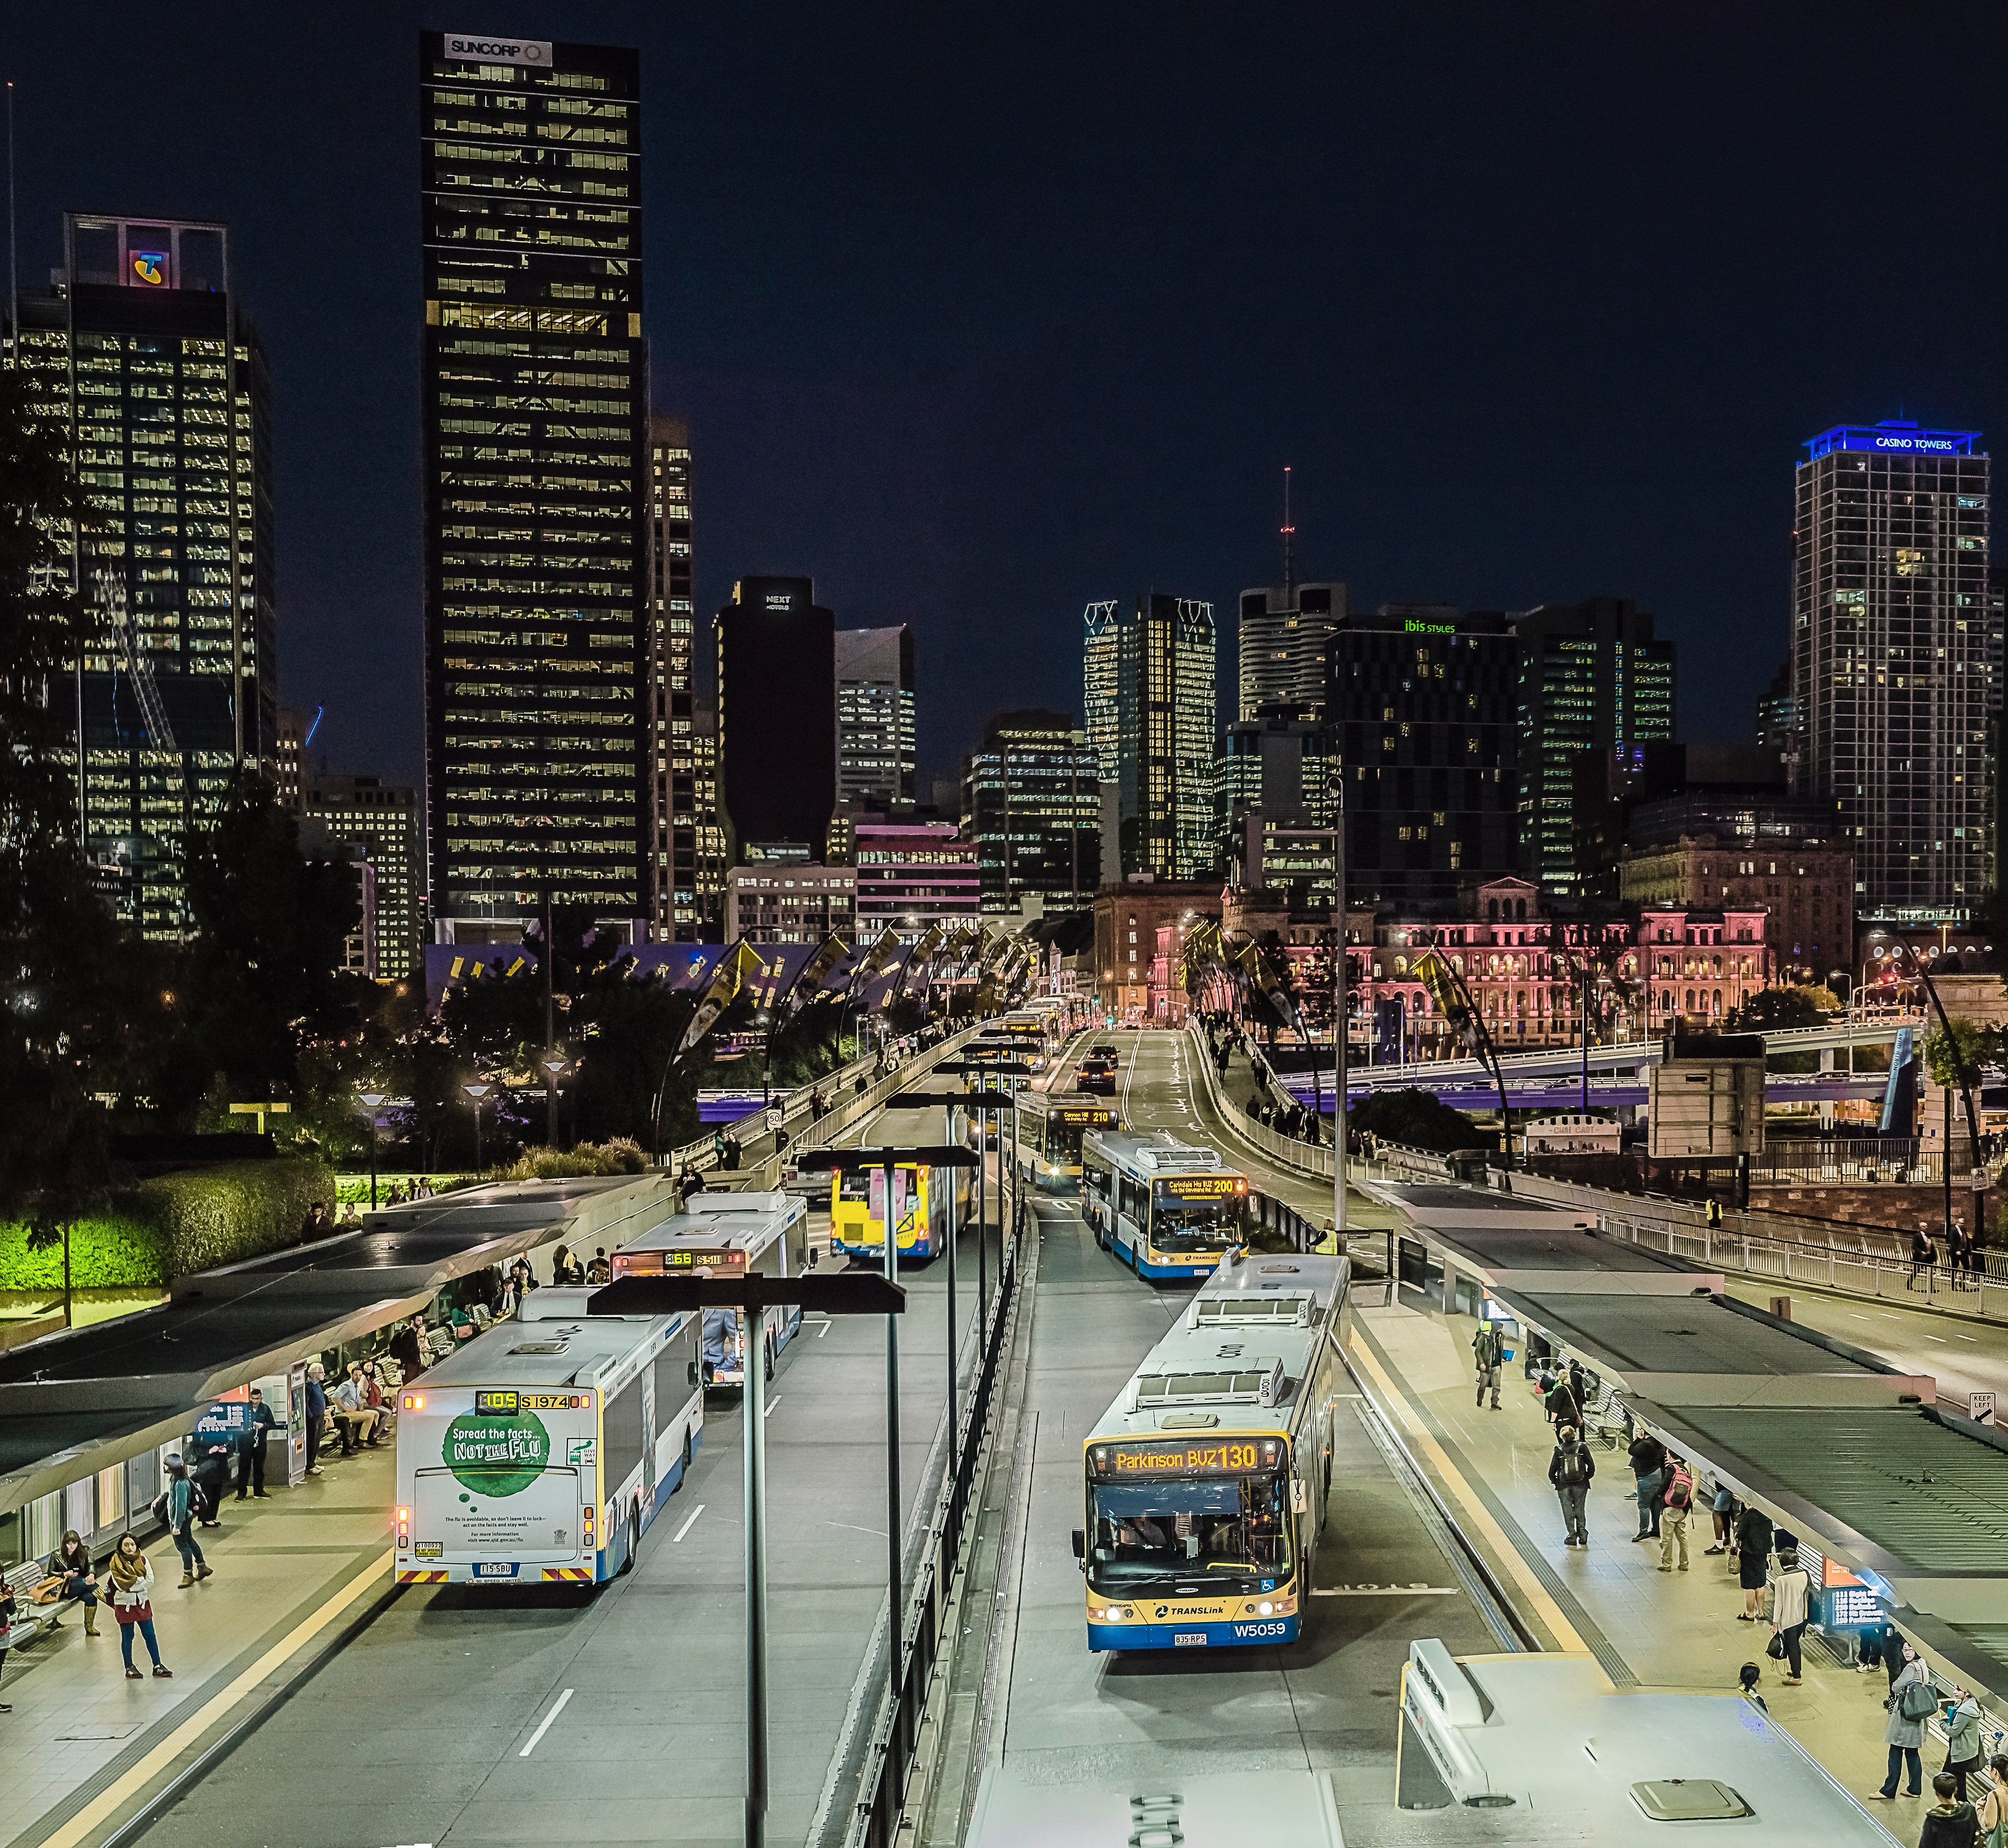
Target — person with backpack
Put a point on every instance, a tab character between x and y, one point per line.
182	1506
1572	1469
1912	1699
1790	1594
1561	1405
1677	1507
1753	1559
1649	1475
1486	1346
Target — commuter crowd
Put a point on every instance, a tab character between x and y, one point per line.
1776	1591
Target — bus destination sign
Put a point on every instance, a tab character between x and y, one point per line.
1136	1462
510	1405
1083	1116
651	1263
1200	1187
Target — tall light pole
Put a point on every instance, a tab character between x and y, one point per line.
554	1065
477	1092
1340	1025
373	1101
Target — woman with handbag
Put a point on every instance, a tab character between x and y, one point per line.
1789	1592
132	1596
1912	1699
1994	1806
69	1565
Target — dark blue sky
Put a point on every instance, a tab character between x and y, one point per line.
980	314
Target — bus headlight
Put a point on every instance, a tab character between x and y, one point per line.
1266	1608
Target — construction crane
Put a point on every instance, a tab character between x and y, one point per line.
152	713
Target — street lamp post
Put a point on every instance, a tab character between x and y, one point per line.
554	1065
1341	1025
982	1103
477	1092
373	1101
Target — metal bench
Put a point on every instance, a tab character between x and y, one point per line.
31	1621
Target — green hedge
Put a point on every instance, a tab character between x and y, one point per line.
619	1156
172	1225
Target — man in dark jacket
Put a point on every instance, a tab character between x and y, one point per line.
1561	1405
258	1424
1572	1469
409	1351
316	1415
1648	1473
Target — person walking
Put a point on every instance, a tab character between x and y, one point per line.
1572	1469
1912	1699
1560	1405
407	1345
1753	1559
1648	1466
259	1425
1950	1822
182	1506
132	1603
1677	1509
1923	1256
1485	1349
1790	1594
71	1564
7	1608
316	1415
1962	1732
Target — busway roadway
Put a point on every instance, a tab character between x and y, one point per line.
1387	1570
440	1722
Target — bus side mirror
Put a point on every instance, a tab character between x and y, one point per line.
693	1373
1300	1495
1080	1543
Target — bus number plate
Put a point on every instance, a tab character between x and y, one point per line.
1188	1639
496	1569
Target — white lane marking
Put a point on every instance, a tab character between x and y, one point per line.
1969	1338
820	1324
1384	1591
557	1707
1858	1318
878	1532
688	1524
773	1402
1940	1339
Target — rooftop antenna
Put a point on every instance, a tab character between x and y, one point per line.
1289	547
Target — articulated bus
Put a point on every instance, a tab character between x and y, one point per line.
540	1451
1166	1209
1206	1480
727	1235
920	1199
1049	1138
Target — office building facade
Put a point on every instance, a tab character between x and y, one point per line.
1148	680
677	820
381	820
1423	751
1897	662
911	875
1272	771
876	750
776	703
141	353
535	432
1031	805
1285	632
803	903
1593	677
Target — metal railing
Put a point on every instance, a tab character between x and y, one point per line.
922	1641
1286	1151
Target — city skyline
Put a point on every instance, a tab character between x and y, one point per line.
1622	413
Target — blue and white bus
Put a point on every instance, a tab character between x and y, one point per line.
541	1450
1168	1210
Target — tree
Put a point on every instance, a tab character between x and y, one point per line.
1417	1119
1958	1061
83	1012
1782	1010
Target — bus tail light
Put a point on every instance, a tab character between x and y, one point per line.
403	1528
414	1401
591	1516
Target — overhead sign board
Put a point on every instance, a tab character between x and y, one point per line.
1895	439
487	47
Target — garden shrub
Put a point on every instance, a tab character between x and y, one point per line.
619	1155
171	1224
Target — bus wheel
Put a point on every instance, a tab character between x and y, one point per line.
687	1453
767	1355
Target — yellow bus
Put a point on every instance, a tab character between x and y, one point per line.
921	1200
1049	1138
1205	1482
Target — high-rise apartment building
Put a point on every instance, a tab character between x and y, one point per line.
1148	683
674	815
1896	661
381	820
142	354
1420	719
1285	632
535	436
1593	676
1031	802
776	692
875	751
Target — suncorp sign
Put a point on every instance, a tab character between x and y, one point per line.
478	47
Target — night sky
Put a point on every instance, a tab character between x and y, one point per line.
979	313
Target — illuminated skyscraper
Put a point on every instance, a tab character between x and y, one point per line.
1897	662
141	354
874	718
675	814
1148	697
1286	634
539	647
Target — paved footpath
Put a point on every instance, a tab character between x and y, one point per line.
288	1572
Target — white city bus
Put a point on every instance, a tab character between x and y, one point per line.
542	1450
1167	1209
727	1235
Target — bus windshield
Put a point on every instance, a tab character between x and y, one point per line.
1196	1225
1171	1531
